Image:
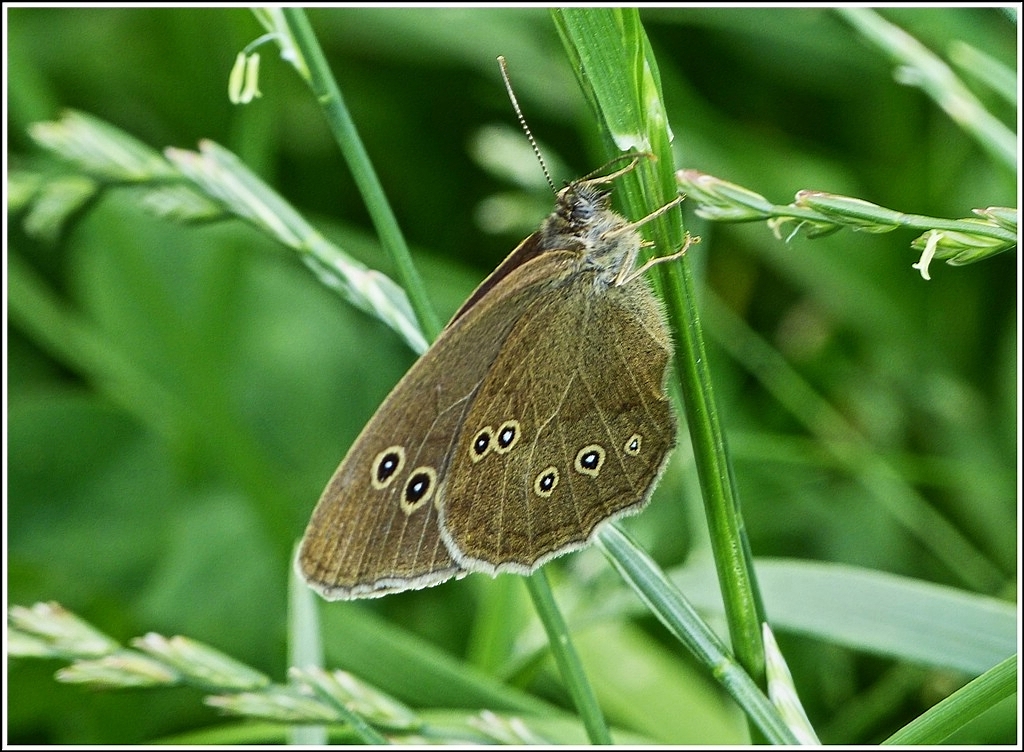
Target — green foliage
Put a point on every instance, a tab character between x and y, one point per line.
178	395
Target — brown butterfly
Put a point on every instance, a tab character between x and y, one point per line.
540	412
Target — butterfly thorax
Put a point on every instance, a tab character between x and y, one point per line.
583	221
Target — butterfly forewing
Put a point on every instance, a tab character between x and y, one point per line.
375	529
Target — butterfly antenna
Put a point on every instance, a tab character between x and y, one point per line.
522	122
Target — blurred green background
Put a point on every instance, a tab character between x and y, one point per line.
160	473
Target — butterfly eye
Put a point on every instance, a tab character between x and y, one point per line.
386	466
590	459
483	442
586	203
418	489
632	446
582	213
508	436
546	482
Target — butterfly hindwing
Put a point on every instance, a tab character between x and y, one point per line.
565	431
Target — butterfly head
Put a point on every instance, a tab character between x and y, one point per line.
584	221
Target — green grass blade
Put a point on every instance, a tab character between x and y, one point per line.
668	604
329	96
617	71
937	723
304	647
567	659
877	612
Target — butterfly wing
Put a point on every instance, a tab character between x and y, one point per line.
571	426
375	528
